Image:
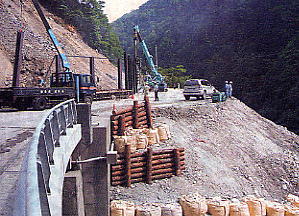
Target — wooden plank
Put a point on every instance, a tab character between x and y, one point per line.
168	151
148	112
121	128
149	166
134	114
115	118
128	165
177	162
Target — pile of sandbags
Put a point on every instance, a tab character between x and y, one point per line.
141	138
193	205
163	132
218	207
237	208
196	205
171	210
257	206
122	208
275	209
121	141
148	210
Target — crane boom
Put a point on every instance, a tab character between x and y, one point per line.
65	63
155	75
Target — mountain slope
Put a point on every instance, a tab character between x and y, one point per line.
39	50
253	43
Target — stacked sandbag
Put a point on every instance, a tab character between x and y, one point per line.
193	205
148	210
238	209
163	132
275	209
171	210
122	208
257	206
142	141
121	141
218	207
141	137
153	136
294	200
291	210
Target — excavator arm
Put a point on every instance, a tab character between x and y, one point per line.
155	75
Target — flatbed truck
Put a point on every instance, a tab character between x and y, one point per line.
63	85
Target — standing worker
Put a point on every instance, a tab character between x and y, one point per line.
226	87
146	89
230	89
156	90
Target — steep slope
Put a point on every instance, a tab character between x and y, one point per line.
38	49
231	152
253	43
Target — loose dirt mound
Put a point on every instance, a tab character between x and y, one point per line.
231	151
39	50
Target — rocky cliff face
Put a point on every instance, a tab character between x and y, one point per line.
39	50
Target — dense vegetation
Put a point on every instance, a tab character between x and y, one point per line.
88	18
251	42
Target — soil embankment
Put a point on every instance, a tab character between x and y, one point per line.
231	151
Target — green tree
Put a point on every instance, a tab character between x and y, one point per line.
175	75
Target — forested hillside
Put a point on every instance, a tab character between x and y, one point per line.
253	43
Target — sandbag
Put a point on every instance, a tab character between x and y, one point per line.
291	210
171	210
132	141
119	143
193	205
163	132
294	200
275	209
122	208
148	210
239	209
142	141
257	206
218	207
153	136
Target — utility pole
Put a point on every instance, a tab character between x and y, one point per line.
156	56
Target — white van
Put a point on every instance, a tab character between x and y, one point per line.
199	88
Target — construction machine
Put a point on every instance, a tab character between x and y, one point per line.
154	77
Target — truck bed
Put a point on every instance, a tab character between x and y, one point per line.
112	93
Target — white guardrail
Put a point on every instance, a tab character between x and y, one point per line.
39	190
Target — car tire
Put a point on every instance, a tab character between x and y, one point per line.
39	103
204	96
88	99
